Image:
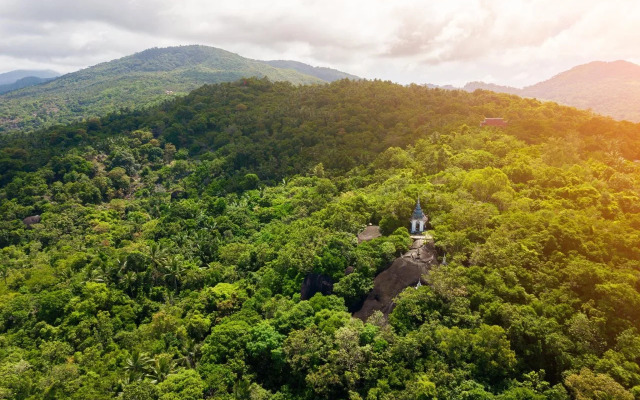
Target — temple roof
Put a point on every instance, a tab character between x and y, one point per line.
417	212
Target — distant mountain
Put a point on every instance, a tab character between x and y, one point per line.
447	87
23	83
326	74
10	77
608	88
471	86
133	82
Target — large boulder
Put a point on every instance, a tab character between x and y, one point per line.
369	233
405	271
315	283
34	219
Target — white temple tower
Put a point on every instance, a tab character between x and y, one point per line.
418	219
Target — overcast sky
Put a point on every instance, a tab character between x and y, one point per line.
514	42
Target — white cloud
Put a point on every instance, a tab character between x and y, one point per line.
515	42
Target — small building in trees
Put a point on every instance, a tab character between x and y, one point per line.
498	122
418	219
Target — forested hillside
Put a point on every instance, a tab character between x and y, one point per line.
23	83
172	243
324	73
133	82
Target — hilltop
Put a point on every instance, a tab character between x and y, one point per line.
133	82
608	88
471	86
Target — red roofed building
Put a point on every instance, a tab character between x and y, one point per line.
499	122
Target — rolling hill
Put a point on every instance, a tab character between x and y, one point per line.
326	74
23	83
132	82
608	88
7	78
471	86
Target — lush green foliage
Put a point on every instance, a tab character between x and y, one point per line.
172	246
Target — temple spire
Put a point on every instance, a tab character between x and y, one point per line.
418	219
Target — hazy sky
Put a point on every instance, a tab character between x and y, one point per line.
515	42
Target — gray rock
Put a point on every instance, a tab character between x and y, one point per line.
405	271
369	233
315	283
34	219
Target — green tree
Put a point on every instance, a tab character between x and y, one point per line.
353	288
160	368
137	365
174	270
186	384
587	385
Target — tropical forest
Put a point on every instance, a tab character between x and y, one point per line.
207	247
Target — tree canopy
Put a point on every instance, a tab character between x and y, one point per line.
173	242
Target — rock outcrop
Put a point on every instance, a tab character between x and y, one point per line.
34	219
315	283
405	271
369	233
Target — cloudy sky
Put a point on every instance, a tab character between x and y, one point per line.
515	42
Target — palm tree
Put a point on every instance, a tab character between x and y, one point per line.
122	264
157	253
181	239
158	256
204	245
95	275
129	282
190	353
65	274
137	365
174	270
161	367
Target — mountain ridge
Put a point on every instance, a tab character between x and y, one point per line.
23	83
138	80
10	77
609	88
